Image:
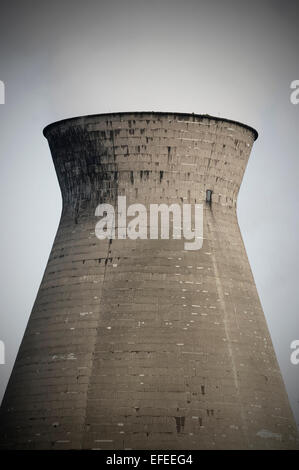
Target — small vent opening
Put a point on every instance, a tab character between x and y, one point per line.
209	193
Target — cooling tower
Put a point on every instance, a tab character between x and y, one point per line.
143	344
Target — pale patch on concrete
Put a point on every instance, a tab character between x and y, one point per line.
69	357
265	434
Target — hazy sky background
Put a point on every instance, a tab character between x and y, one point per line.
234	59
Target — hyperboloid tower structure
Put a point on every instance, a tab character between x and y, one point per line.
142	344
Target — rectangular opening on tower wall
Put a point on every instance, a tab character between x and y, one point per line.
209	196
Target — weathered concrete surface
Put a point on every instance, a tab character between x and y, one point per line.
140	344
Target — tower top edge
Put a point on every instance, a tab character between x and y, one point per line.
195	116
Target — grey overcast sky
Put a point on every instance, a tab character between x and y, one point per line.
228	58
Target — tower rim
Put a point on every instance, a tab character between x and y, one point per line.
156	113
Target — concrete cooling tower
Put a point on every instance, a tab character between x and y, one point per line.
142	343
